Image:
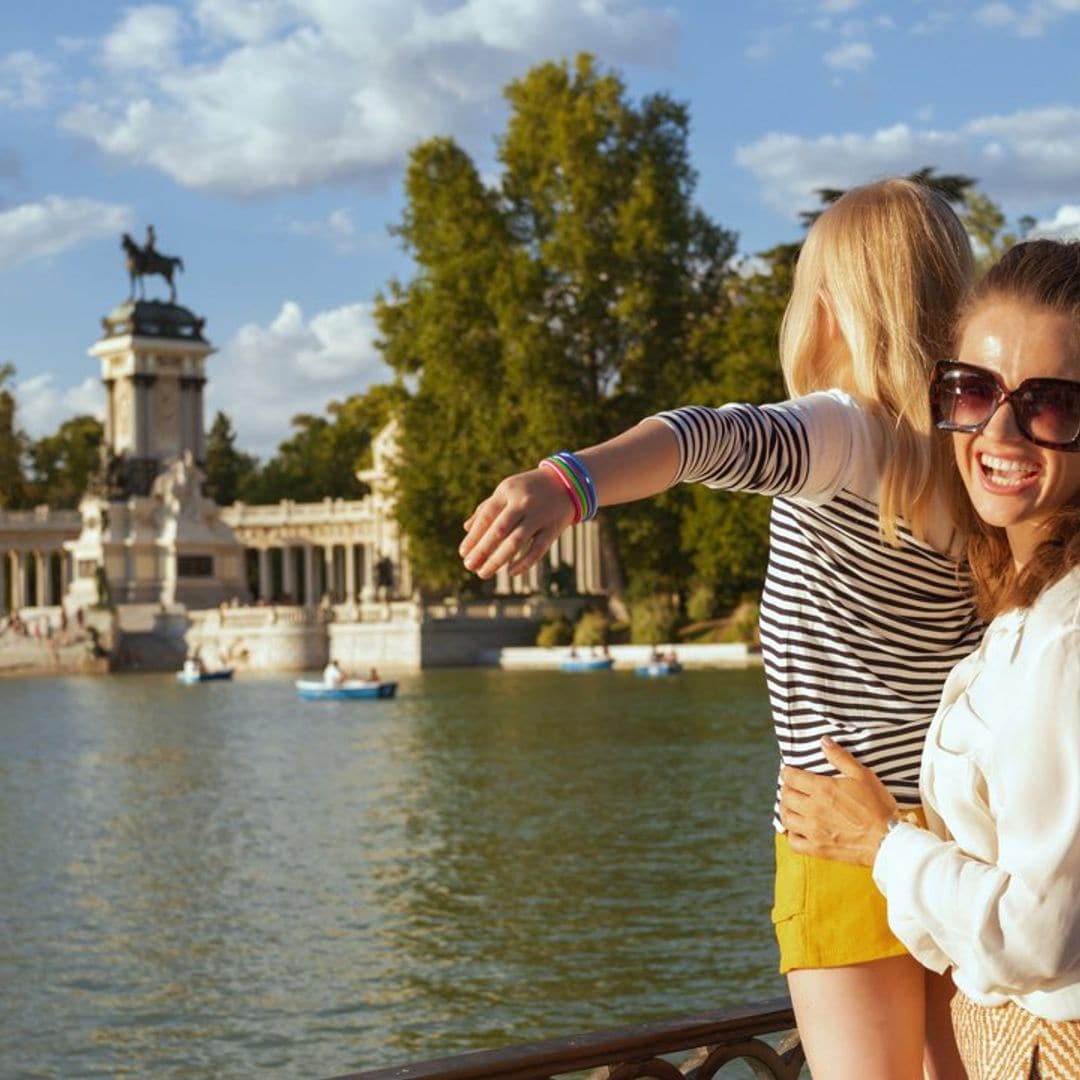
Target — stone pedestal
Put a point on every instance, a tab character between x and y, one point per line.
149	536
169	547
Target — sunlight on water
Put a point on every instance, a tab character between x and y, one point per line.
215	880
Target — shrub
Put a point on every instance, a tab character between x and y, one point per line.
653	619
742	625
555	631
701	603
592	628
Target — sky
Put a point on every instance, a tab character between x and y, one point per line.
266	140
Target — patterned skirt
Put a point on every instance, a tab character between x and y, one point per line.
1009	1043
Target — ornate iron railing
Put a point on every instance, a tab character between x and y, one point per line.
701	1046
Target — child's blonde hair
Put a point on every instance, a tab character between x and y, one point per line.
887	264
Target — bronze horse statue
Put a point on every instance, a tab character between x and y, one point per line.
144	261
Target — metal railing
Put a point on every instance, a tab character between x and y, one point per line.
702	1044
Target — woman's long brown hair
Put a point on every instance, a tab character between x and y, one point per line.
1043	275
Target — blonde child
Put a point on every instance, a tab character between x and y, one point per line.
866	606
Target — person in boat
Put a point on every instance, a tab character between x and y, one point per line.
373	675
333	674
853	456
988	890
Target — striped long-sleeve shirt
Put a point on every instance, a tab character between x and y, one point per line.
857	636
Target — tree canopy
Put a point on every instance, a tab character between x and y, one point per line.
552	308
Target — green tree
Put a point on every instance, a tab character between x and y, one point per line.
726	534
62	463
13	491
553	310
322	457
985	223
227	469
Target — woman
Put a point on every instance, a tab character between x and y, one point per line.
992	888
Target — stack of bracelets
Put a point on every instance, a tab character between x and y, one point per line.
576	478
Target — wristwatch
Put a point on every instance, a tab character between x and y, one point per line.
901	817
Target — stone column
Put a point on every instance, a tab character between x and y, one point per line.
502	581
288	572
329	577
266	578
310	599
350	573
3	582
197	420
41	575
20	583
579	560
143	419
110	412
368	591
65	574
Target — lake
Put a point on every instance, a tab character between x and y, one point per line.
220	880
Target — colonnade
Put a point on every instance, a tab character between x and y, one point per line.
36	578
306	572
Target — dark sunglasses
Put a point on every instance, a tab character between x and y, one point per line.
964	398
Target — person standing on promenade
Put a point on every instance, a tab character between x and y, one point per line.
865	608
991	890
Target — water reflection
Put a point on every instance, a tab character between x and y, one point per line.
214	880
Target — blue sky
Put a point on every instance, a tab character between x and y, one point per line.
265	140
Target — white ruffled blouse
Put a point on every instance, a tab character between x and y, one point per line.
993	888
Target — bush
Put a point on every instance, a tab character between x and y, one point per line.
701	603
742	625
592	629
555	631
653	619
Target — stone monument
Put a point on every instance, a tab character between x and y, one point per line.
145	522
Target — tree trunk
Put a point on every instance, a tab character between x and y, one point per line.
611	570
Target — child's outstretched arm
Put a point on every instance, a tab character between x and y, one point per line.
520	520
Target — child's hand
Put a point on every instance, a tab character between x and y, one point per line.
516	524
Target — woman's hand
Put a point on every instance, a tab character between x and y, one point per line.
516	524
836	817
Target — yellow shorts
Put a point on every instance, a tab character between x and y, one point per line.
828	913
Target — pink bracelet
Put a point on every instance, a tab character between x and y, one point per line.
571	493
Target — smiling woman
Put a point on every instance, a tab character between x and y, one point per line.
991	889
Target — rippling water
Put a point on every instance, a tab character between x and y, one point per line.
214	881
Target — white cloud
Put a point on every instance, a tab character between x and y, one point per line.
43	406
146	39
338	229
248	22
854	56
294	93
1027	22
55	224
836	7
791	167
267	374
24	80
1064	225
1025	159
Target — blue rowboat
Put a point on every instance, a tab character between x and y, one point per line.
353	689
190	678
587	663
656	668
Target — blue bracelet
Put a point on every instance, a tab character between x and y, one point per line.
581	471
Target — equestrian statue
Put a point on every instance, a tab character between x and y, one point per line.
146	260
